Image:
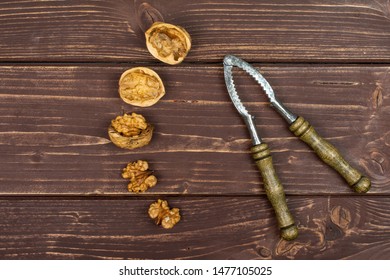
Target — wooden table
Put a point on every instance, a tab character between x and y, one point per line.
62	195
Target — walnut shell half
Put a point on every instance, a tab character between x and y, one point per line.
130	131
167	42
141	86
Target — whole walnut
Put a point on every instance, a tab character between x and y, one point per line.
167	42
160	212
141	178
130	131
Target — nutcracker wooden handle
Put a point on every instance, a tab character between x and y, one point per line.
274	191
330	155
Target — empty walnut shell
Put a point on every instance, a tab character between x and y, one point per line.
141	86
167	42
130	131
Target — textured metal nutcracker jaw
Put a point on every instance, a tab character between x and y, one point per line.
229	62
248	118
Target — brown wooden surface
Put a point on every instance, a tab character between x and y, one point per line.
211	228
61	193
268	30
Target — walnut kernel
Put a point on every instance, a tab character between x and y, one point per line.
167	42
130	131
141	86
141	179
160	212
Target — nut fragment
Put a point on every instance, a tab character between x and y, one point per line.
160	212
130	131
167	42
141	86
140	177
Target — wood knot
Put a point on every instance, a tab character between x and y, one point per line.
333	232
37	157
377	96
340	221
290	249
379	162
147	15
341	217
264	252
292	159
310	241
184	187
386	138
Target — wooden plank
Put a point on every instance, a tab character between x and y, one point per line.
54	119
311	31
330	228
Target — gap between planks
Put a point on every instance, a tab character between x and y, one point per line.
113	63
184	196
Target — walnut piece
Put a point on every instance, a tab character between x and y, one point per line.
167	42
141	86
141	179
160	212
130	131
129	125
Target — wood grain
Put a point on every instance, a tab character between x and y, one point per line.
330	227
273	31
54	123
61	193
